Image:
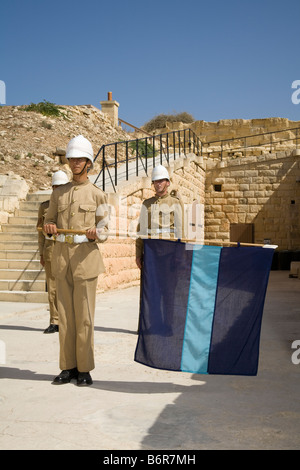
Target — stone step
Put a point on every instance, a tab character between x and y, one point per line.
26	286
13	228
22	278
19	264
19	236
26	213
23	220
22	275
29	206
20	296
18	245
39	197
19	254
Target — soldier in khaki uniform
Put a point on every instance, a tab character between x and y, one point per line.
162	216
77	261
46	245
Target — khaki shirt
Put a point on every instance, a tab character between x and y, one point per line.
45	245
79	207
160	217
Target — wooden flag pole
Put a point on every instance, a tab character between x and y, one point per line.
67	231
184	240
203	242
220	242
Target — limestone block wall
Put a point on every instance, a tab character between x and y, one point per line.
263	190
187	180
234	128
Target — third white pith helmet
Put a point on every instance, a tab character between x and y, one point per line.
79	147
59	177
160	173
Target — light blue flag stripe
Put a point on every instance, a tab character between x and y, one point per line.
200	309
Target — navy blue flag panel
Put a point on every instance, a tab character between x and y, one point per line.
201	307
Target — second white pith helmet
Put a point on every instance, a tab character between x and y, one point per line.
59	178
160	173
79	147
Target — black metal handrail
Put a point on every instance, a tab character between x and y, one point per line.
144	153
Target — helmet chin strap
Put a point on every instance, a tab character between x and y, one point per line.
83	169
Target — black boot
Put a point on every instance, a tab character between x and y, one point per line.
66	376
84	378
51	329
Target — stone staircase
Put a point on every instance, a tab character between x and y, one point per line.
22	278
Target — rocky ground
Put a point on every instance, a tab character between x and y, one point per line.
33	145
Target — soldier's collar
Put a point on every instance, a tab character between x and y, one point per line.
162	197
81	183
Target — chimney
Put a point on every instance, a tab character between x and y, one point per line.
110	107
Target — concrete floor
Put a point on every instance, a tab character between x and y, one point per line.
130	406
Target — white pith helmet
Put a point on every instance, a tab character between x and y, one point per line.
79	147
59	177
160	173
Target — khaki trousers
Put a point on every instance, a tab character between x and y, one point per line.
76	310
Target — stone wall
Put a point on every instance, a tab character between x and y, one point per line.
263	190
236	128
256	130
233	128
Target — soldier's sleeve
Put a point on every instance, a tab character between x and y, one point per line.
142	228
179	219
51	215
139	248
102	219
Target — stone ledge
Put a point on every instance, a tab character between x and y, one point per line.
13	188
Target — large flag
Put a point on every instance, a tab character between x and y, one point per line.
201	307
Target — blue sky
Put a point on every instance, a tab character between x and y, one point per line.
215	59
